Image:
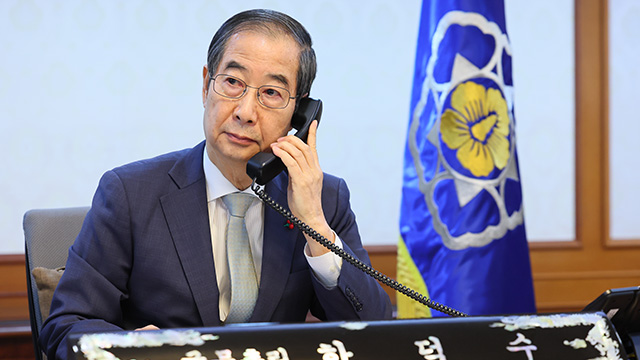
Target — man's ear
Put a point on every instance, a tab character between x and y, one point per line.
205	83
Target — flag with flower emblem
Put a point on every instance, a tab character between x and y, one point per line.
463	241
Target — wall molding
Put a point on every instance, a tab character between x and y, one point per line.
14	305
589	275
12	259
14	294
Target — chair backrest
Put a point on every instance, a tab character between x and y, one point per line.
48	235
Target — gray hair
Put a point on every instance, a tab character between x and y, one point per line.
268	21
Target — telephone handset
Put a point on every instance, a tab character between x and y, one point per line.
263	167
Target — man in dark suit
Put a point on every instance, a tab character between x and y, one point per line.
152	253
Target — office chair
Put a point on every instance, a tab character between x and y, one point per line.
48	235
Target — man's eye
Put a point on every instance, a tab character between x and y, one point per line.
271	92
233	82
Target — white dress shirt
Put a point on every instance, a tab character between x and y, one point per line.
326	267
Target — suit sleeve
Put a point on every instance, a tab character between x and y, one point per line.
357	296
89	295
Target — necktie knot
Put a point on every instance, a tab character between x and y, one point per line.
237	203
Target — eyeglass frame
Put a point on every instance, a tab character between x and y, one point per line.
247	86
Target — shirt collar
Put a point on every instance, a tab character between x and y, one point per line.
217	185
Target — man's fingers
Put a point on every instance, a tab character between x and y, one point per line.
288	160
311	139
298	150
295	150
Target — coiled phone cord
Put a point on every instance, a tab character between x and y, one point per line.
353	261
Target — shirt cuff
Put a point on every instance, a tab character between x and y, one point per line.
326	267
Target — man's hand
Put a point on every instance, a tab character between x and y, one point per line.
305	184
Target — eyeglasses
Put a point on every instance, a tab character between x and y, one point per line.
273	97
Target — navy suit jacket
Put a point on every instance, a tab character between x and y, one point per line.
144	256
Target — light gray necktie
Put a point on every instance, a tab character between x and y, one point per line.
244	284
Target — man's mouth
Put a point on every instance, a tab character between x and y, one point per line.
239	139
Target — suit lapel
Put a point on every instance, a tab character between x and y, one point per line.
186	213
278	246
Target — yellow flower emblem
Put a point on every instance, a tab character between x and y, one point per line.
477	125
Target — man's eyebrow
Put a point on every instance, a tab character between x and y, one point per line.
234	65
277	77
280	78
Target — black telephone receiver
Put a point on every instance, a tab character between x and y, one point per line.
263	167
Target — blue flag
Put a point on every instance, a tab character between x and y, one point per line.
463	241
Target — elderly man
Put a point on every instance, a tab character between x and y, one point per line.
180	240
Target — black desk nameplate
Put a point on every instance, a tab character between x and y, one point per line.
557	336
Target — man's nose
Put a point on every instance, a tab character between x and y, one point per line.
246	109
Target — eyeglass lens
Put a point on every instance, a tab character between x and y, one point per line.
268	95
